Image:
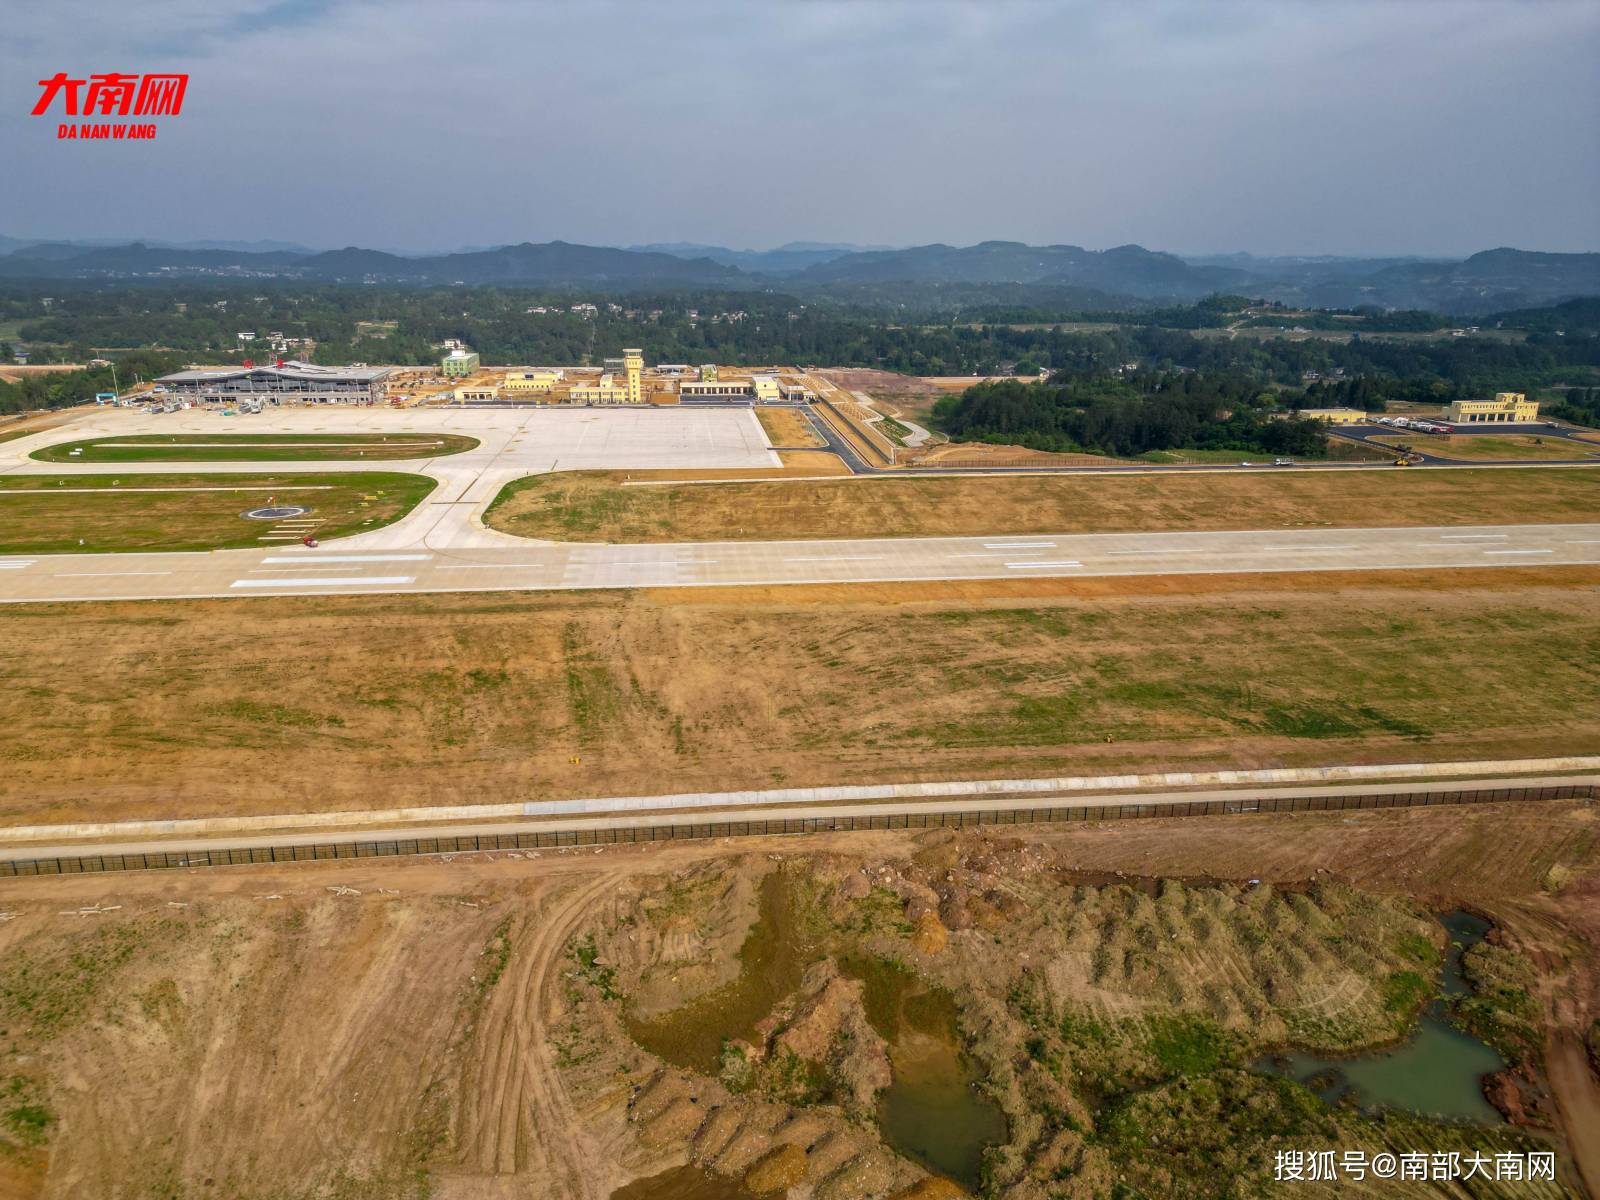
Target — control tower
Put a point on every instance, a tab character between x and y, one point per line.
633	364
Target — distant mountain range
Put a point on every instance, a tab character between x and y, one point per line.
1490	281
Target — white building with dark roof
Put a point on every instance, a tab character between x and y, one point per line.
293	382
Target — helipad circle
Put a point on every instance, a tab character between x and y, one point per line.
281	512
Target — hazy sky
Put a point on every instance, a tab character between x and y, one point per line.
1412	126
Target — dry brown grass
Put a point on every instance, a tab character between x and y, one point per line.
788	427
591	507
118	711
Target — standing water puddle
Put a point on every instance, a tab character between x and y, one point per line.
931	1112
1437	1072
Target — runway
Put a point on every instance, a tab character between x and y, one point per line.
443	546
344	568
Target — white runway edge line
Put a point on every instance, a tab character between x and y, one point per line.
1289	776
1019	545
329	581
104	574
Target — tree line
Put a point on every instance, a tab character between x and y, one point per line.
1126	418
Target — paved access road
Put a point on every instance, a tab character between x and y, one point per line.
503	563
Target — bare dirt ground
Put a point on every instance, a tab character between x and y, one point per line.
181	709
586	506
163	1037
908	394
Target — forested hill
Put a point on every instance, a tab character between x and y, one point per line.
1164	411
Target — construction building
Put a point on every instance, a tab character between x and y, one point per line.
1336	416
690	388
605	391
459	362
289	383
538	381
1507	408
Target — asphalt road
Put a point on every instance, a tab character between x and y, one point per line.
431	558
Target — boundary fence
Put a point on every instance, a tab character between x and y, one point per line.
775	826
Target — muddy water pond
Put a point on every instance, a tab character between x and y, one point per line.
772	958
1437	1072
931	1112
682	1183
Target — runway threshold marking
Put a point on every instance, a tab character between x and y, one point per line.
329	581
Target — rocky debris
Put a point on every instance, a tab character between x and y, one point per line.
829	1026
917	908
933	1187
953	912
854	886
930	936
779	1169
1519	1099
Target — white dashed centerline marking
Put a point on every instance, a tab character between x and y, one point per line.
104	574
329	581
1474	537
1016	566
1519	551
841	558
350	558
1019	545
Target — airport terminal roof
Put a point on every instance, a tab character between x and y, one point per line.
309	372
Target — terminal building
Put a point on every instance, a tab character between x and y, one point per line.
290	383
1507	408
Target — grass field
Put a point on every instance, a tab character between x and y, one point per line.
1486	447
596	507
255	447
196	707
88	514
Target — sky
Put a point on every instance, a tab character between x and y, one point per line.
1430	127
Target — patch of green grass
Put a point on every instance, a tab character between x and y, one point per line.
1404	992
255	447
1185	1045
95	514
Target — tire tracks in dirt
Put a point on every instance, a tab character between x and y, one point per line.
517	1119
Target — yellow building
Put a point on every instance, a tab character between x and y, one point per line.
1507	408
480	391
606	391
633	365
1335	416
532	381
765	387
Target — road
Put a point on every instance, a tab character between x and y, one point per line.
445	557
584	815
